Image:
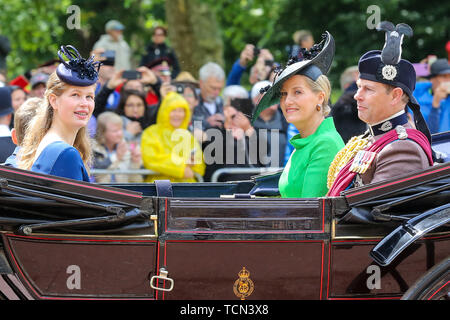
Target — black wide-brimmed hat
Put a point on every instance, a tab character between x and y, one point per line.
316	61
387	66
76	70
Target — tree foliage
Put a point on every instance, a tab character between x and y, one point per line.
194	33
138	16
246	21
33	29
37	27
347	21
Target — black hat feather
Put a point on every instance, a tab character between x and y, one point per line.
392	50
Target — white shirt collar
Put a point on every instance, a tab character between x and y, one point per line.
5	131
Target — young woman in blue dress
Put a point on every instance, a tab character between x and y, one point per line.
56	141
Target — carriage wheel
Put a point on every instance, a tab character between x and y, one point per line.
434	285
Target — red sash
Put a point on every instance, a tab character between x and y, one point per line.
345	177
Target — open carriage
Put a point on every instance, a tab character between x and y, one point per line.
65	239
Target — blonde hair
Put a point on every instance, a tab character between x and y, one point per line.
301	35
102	120
41	123
322	84
23	116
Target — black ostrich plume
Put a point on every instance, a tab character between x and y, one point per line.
392	50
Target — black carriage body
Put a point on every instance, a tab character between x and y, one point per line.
64	239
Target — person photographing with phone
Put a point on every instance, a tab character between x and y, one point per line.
130	80
261	69
132	74
138	79
433	97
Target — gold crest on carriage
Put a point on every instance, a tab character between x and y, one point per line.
243	287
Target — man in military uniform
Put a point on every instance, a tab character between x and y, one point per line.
392	146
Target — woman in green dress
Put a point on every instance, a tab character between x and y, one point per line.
303	91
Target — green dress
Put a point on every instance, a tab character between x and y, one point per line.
305	174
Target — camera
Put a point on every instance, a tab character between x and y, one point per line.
256	52
110	56
269	63
131	75
179	87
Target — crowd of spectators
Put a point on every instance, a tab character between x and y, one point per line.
159	117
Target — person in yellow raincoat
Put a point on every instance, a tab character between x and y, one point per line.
168	147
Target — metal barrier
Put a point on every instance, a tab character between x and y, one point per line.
143	172
215	176
199	178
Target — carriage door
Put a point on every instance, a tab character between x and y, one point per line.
263	248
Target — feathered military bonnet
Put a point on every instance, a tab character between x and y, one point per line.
76	70
315	62
387	66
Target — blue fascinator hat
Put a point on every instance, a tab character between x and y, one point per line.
76	70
